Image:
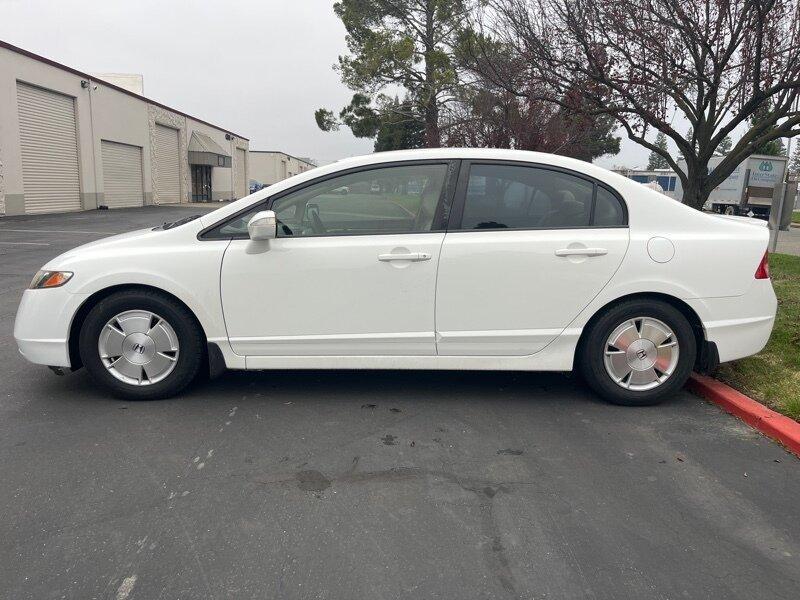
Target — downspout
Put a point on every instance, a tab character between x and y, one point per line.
89	84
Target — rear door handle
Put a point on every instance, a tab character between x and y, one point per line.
410	256
581	252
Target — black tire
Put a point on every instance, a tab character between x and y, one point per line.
591	354
190	356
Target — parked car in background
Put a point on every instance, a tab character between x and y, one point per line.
499	260
256	186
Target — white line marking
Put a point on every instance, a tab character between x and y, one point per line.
126	587
58	231
24	243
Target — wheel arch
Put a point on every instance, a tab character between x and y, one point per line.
706	351
92	301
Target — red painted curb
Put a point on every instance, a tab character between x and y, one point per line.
767	421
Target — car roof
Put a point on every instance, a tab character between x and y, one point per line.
469	153
615	180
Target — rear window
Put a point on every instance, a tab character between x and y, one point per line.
608	210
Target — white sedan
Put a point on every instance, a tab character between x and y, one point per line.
434	259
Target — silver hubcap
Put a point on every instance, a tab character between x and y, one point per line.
138	347
641	353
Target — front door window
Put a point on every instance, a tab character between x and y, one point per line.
378	201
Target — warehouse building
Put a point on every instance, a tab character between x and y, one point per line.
70	141
271	166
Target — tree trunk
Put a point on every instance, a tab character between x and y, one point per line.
432	134
431	108
695	193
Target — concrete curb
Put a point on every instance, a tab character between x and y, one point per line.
780	428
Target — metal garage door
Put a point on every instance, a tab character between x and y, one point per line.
122	174
240	183
49	144
167	182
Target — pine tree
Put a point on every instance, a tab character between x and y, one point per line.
656	160
773	147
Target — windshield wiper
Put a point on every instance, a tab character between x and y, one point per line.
165	225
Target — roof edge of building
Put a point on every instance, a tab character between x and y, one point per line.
302	160
63	67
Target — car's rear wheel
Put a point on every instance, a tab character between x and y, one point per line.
638	352
141	345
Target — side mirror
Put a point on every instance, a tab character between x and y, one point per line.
263	226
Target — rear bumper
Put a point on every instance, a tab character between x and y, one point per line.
42	326
739	326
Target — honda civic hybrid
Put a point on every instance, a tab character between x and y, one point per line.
459	259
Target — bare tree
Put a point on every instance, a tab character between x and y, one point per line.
488	112
719	64
497	119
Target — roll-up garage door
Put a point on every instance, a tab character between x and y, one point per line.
122	175
49	143
167	182
240	183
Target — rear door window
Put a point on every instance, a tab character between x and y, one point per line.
519	197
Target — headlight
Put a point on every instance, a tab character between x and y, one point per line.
50	279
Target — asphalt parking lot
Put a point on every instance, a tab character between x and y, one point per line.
372	485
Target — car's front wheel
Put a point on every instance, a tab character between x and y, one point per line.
638	352
141	345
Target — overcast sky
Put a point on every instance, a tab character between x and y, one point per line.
258	68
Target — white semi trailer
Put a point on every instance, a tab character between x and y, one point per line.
748	190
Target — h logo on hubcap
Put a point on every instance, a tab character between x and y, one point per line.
138	348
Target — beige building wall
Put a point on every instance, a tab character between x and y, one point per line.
223	180
117	117
133	82
103	112
13	68
268	167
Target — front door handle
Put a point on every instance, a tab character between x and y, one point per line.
410	256
581	252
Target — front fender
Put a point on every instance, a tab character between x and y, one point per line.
192	275
202	299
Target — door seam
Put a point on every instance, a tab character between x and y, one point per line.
436	296
222	303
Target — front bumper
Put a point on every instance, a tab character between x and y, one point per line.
41	329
